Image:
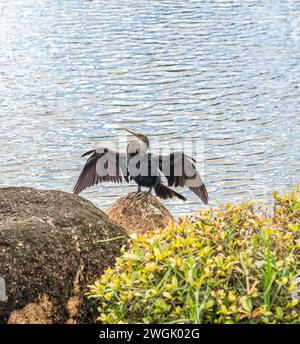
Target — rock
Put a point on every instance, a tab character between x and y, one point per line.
49	254
139	216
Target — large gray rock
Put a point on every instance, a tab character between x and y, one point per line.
49	254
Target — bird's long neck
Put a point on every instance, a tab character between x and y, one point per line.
136	147
131	155
143	147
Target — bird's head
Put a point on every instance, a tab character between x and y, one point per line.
143	140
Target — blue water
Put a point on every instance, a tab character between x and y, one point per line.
222	73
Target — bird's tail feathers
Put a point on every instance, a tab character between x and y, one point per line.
165	192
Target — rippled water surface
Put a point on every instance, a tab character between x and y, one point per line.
225	73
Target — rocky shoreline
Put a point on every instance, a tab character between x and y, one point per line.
54	244
49	253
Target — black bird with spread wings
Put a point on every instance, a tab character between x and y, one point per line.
146	169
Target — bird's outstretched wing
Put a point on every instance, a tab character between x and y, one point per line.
180	170
104	165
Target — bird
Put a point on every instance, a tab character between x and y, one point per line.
144	168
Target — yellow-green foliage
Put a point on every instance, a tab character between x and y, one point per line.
227	265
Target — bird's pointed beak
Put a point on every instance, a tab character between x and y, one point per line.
133	133
140	137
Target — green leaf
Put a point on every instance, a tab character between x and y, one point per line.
209	304
246	303
279	312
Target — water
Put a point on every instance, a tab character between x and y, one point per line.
74	73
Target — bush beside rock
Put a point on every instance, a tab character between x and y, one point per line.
234	264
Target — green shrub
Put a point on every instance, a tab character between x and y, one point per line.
233	264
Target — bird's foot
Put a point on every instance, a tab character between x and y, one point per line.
133	195
144	196
139	195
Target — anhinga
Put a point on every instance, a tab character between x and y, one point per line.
146	169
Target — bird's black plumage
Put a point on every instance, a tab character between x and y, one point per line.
145	169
